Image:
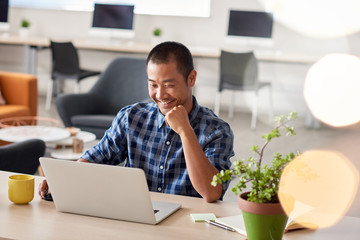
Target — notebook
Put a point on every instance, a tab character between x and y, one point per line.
103	191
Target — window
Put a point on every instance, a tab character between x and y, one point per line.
76	5
189	8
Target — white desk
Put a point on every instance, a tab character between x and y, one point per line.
40	220
33	44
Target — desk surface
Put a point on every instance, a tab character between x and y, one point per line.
40	220
144	48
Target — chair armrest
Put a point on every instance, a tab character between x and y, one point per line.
20	89
69	105
22	157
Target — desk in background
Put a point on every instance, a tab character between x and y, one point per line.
40	220
33	44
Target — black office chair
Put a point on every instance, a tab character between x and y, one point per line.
239	72
123	82
65	65
22	157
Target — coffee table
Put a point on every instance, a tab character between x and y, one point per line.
22	133
64	148
83	135
66	154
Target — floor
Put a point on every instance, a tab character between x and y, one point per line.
344	140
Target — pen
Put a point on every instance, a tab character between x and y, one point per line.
220	225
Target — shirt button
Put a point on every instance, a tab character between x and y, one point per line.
159	189
168	143
161	167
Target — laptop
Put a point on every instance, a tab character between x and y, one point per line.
103	191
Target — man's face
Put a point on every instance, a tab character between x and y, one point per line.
168	88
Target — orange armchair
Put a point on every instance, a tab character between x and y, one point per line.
20	92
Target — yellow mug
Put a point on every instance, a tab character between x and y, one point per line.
21	188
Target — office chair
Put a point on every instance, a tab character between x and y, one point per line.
22	157
239	72
65	65
121	84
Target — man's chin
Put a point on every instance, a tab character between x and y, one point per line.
164	111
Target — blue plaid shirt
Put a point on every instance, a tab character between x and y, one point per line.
139	135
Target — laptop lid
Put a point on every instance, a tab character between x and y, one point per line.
103	191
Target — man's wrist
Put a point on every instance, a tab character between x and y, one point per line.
186	132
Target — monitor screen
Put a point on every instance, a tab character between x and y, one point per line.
4	6
250	24
113	16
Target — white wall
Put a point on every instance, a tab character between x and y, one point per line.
287	78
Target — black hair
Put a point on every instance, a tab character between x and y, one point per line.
166	52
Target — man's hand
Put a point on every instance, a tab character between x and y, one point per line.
43	188
177	118
201	171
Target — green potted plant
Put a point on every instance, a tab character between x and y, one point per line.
24	28
262	212
156	36
25	23
157	32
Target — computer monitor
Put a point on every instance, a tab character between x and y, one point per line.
4	10
113	21
250	28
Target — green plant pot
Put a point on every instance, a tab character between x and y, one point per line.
264	227
263	221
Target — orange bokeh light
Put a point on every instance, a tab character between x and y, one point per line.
318	187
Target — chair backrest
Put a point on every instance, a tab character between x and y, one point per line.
123	82
22	157
238	70
19	89
65	60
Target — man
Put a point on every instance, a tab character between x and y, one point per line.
179	144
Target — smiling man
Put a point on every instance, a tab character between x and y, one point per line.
179	144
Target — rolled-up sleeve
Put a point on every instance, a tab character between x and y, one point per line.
219	150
